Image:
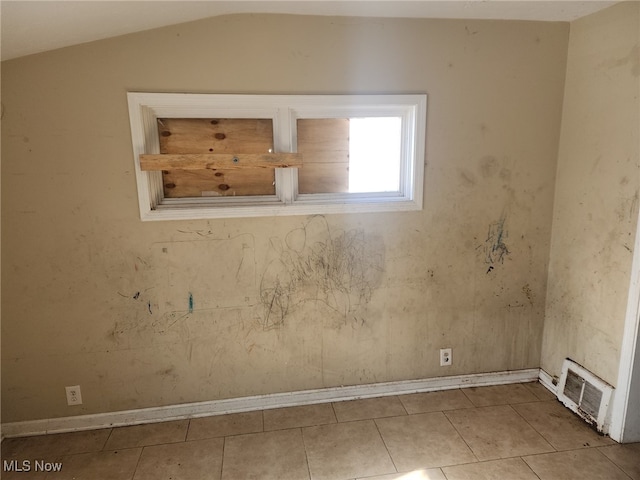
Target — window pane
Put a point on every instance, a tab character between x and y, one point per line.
349	155
374	154
227	135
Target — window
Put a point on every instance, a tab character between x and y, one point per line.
214	156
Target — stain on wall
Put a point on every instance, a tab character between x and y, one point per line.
495	248
596	198
315	264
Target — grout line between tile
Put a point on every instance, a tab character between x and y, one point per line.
529	467
306	456
361	420
399	398
135	470
460	435
335	415
224	444
104	445
385	444
534	428
186	432
603	447
610	461
188	428
576	450
468	397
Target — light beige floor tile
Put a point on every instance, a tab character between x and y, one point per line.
346	450
277	455
508	469
149	434
540	391
497	432
435	401
107	465
355	451
582	464
423	440
499	395
30	448
197	460
24	471
627	457
368	408
295	417
225	425
559	426
429	474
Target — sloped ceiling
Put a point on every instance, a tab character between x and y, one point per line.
35	26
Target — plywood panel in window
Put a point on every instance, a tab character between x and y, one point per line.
324	178
324	143
235	135
206	183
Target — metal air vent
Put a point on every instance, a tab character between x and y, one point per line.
584	393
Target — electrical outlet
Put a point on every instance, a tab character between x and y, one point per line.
445	357
74	396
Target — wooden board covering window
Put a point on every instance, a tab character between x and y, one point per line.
324	143
226	135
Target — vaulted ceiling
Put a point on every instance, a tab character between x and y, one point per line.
35	26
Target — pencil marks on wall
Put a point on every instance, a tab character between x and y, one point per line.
494	176
199	284
495	248
627	210
185	284
314	264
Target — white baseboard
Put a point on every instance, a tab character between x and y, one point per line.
547	381
261	402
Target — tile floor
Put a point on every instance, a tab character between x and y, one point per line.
507	432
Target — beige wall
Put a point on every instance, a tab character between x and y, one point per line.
92	296
1	435
596	199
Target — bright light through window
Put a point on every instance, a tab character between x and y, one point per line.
374	154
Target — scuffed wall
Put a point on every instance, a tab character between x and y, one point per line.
148	314
596	206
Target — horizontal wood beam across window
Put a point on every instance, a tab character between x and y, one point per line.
361	153
218	161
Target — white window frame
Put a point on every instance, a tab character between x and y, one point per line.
283	111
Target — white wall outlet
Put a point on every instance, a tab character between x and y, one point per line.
74	397
445	357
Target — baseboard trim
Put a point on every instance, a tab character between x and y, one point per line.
547	381
262	402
